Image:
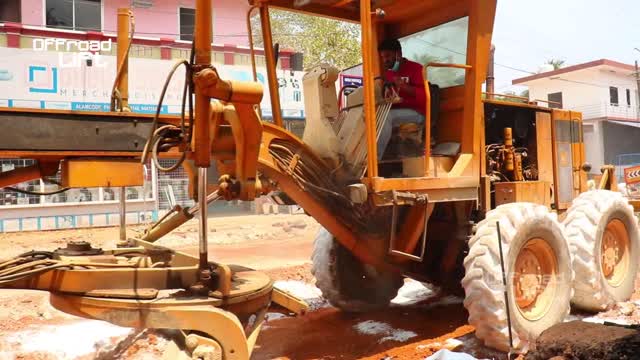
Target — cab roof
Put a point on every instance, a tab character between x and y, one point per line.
402	16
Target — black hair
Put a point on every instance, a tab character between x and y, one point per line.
390	45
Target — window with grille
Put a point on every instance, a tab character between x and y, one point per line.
142	51
10	197
80	15
187	23
613	95
240	59
555	100
173	187
10	11
218	58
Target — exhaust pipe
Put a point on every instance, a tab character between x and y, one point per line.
490	74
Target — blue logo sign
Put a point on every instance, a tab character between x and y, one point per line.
87	106
5	75
54	80
351	80
148	109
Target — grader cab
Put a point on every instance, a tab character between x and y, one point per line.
484	179
495	184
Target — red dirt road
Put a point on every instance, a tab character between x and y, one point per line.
330	334
280	246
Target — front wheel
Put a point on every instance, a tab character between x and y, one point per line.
538	271
346	282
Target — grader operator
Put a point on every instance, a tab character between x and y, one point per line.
432	215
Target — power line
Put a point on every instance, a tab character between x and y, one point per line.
464	54
523	71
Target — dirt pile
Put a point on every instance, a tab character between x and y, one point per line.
243	229
298	273
626	313
584	340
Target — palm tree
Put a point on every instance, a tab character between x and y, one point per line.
556	63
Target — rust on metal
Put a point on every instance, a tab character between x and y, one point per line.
535	281
615	250
290	302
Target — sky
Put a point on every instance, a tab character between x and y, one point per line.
528	33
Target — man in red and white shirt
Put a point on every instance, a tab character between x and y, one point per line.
404	77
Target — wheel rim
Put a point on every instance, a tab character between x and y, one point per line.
615	252
535	278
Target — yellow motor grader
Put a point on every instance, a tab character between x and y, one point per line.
497	208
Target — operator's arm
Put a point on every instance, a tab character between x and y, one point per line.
412	91
405	89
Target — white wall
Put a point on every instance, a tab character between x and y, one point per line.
587	91
594	146
573	94
31	78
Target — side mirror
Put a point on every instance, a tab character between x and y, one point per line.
586	167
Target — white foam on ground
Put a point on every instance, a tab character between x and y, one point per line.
445	354
434	345
399	336
601	320
593	320
371	327
572	318
304	291
449	344
452	343
413	292
68	341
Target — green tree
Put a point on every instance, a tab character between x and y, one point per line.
321	40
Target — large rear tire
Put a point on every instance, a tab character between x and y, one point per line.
603	234
346	282
538	269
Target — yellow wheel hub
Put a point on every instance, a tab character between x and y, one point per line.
534	278
615	252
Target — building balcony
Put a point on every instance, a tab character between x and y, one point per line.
607	110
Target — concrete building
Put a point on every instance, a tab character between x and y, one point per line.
163	32
34	75
606	94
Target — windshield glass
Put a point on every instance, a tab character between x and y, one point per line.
446	43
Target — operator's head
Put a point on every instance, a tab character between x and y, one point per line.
390	53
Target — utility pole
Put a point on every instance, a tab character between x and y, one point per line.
490	74
637	74
637	91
